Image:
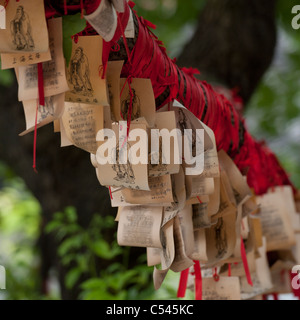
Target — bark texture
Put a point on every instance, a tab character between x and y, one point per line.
234	43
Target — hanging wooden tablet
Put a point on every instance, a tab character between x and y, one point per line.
26	28
84	72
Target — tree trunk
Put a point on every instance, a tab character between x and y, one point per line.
233	44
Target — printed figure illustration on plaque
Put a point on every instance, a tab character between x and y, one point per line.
21	30
221	239
175	198
131	105
184	123
158	157
79	74
123	172
110	94
47	109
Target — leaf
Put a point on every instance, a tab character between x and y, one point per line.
69	244
102	249
71	215
72	24
52	226
6	78
72	277
93	283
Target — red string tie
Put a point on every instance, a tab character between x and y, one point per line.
115	47
124	38
129	112
65	8
75	38
110	193
245	263
198	280
215	275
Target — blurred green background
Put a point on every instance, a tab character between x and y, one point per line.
273	115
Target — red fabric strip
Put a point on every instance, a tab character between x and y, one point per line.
199	199
40	102
245	263
91	5
149	60
35	136
183	283
41	84
81	8
229	269
65	7
215	275
198	281
275	296
110	193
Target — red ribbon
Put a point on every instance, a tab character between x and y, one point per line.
129	113
65	7
35	136
41	84
215	275
40	102
199	200
183	283
229	269
81	9
110	193
198	281
245	263
275	296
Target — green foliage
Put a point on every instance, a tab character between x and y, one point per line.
81	249
274	112
19	229
6	78
72	25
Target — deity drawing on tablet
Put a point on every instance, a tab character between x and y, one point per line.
21	30
184	123
157	161
79	74
165	248
132	105
124	172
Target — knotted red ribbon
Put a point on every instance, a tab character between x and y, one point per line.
198	281
229	269
245	263
40	102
